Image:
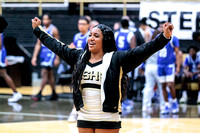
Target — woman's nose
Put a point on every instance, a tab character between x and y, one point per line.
92	37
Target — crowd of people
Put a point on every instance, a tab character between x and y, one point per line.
160	70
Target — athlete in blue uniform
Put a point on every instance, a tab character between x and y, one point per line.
166	72
80	39
3	73
47	59
124	37
191	72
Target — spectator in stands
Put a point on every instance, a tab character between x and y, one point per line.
3	73
191	72
196	36
47	59
116	26
80	39
124	41
166	72
93	23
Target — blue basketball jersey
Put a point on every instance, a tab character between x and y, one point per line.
167	55
192	64
47	57
122	39
80	40
3	53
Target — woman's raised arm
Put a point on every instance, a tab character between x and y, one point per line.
134	57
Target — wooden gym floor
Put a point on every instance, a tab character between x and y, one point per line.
28	116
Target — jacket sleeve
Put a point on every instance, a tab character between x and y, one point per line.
63	51
134	57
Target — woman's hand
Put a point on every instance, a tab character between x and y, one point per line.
36	22
168	28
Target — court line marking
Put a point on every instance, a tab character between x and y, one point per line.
35	115
29	98
143	128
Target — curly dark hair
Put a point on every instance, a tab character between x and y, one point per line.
108	46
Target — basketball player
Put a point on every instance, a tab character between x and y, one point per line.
16	95
124	37
130	23
80	39
47	59
167	58
151	79
191	72
98	81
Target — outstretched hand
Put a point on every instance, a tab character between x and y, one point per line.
168	28
36	22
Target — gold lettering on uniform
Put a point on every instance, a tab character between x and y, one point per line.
100	75
91	75
86	75
97	76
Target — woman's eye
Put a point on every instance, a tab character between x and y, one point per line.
96	36
90	35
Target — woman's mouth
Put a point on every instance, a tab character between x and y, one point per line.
91	44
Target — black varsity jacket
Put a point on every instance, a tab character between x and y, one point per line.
115	65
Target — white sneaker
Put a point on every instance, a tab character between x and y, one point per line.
175	108
73	116
165	110
16	107
16	97
183	100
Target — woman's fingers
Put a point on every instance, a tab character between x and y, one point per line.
168	28
36	18
36	22
171	27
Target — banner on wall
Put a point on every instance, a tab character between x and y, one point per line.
185	16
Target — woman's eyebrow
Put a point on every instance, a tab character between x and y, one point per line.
96	33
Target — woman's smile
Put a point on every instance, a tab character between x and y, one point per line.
91	44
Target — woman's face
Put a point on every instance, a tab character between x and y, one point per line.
95	40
